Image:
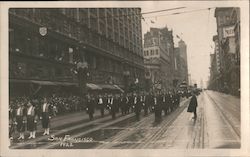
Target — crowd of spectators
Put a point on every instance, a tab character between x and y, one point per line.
61	103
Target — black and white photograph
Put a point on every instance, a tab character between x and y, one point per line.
116	76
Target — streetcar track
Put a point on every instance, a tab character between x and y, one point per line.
230	106
203	124
90	130
111	142
225	118
124	134
201	131
154	136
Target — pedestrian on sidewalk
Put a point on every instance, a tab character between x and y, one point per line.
193	105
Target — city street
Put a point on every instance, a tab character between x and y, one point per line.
217	126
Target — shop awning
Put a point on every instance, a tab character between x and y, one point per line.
47	83
43	82
93	86
116	86
111	87
107	86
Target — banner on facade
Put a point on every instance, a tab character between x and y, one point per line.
228	31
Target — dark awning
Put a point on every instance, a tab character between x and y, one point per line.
108	86
117	87
47	83
111	87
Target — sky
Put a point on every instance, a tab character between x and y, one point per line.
196	29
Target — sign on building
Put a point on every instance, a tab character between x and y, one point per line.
228	31
43	31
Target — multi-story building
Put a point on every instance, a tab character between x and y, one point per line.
216	52
228	28
158	57
213	81
183	60
45	44
180	68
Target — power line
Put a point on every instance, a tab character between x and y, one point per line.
157	11
134	14
145	13
183	12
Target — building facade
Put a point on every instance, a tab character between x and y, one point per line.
45	45
228	32
159	57
216	52
183	61
180	67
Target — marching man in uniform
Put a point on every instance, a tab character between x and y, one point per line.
45	116
101	105
90	107
31	120
164	103
127	101
157	109
11	121
19	120
112	106
137	107
123	104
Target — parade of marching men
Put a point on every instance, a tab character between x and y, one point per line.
29	112
117	78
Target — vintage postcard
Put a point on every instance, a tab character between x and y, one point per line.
117	78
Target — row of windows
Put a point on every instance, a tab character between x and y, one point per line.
151	52
27	43
32	70
51	19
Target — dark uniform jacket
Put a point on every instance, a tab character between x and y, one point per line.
137	103
90	108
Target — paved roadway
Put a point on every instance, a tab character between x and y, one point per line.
217	126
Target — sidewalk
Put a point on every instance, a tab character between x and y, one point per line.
70	118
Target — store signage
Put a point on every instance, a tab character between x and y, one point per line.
43	31
228	31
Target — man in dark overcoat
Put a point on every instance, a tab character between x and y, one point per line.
193	105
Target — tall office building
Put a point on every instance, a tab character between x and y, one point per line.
45	44
159	57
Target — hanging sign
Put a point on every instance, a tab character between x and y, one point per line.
228	31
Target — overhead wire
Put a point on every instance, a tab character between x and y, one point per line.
177	13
